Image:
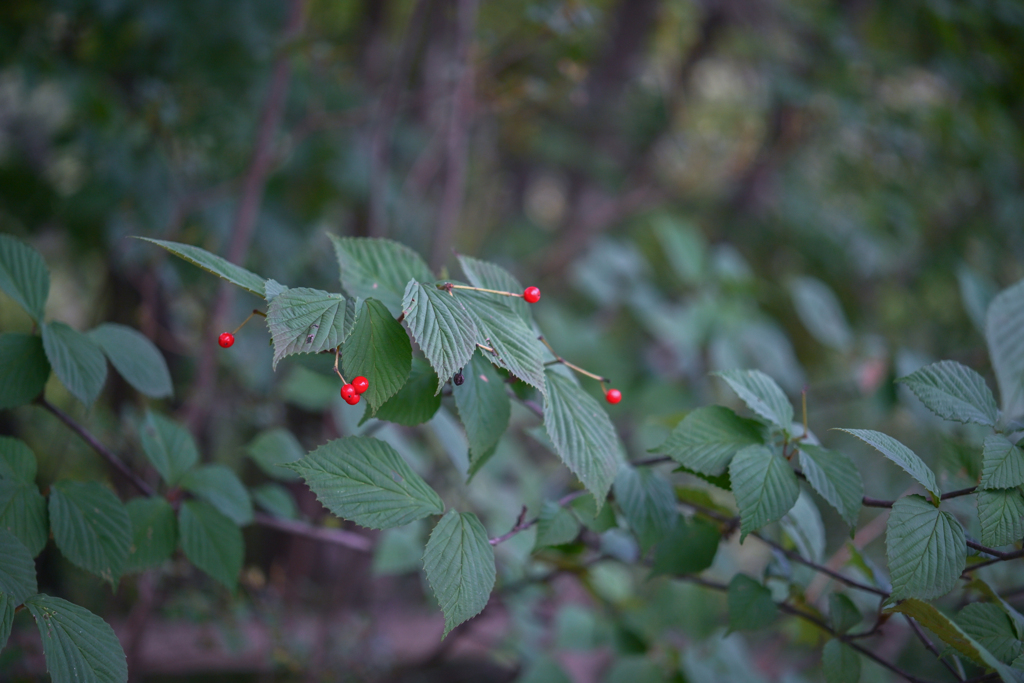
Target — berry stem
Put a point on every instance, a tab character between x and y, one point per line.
448	286
559	359
254	312
488	349
337	355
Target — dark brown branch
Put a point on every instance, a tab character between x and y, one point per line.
521	523
796	557
984	549
931	647
876	503
1006	556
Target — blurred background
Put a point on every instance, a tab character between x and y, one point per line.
830	191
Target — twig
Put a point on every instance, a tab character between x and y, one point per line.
984	549
876	503
1006	556
795	556
931	647
522	525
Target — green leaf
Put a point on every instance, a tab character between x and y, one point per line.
211	541
516	346
378	349
274	448
135	358
154	532
441	326
1015	617
91	527
491	276
990	626
17	461
484	409
378	268
636	668
219	486
707	439
79	646
169	447
399	550
276	500
23	276
303	320
582	435
820	312
899	454
925	547
1004	331
765	487
365	480
843	614
76	359
271	288
555	526
1001	513
750	604
212	263
688	549
1002	464
945	628
416	402
954	392
840	662
17	570
762	395
544	669
803	526
835	478
459	564
597	519
647	501
6	618
23	369
23	513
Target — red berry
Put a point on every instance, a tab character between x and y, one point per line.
225	340
361	384
532	295
348	391
353	399
613	396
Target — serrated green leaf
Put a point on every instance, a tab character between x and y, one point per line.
555	526
762	395
17	570
378	349
154	532
597	519
945	628
820	312
840	662
843	614
484	408
1004	331
835	478
219	486
707	439
17	461
926	549
899	454
24	369
6	618
271	288
765	487
803	526
990	626
750	604
1016	618
212	263
169	447
688	549
135	358
76	360
23	513
276	500
378	268
211	541
582	435
488	275
304	320
79	646
23	276
516	346
459	564
416	402
722	480
91	527
441	326
1001	513
647	501
1002	464
954	392
272	449
365	480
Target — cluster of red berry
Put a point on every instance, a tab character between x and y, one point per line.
351	392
